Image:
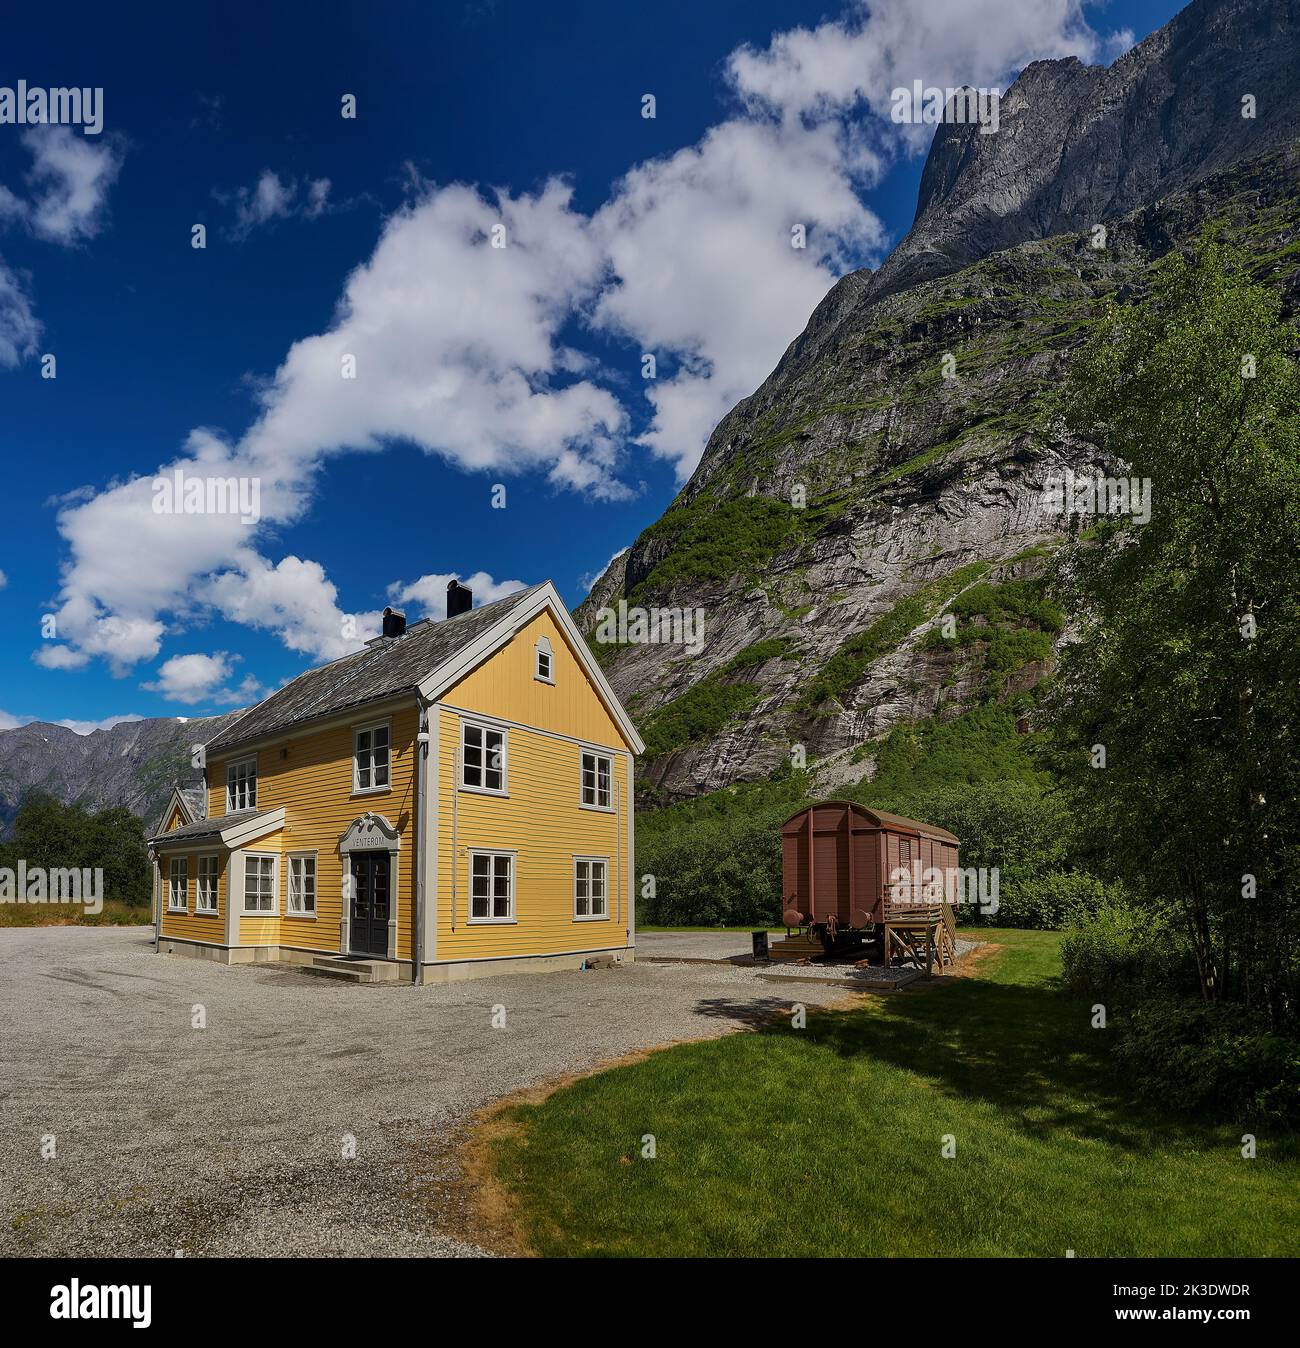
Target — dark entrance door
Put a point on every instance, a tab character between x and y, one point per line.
368	934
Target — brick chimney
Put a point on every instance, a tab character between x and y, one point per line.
460	598
394	622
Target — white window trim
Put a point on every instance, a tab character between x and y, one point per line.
513	919
214	911
274	910
183	864
609	758
357	789
541	647
230	767
301	914
504	788
590	917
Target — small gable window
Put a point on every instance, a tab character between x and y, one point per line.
544	668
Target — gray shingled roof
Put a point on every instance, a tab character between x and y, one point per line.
196	797
207	828
380	671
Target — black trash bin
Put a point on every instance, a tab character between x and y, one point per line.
760	944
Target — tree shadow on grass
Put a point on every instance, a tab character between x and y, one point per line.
756	1012
1029	1051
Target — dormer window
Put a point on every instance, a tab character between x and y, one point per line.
544	666
241	785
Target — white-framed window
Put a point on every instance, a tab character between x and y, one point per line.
491	886
482	758
597	780
302	885
590	888
241	785
205	890
544	661
370	748
259	883
178	885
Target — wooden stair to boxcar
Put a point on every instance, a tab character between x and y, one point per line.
794	947
920	934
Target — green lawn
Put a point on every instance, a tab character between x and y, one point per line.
828	1140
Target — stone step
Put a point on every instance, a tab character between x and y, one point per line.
354	971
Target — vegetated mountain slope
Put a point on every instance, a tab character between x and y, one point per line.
135	763
920	488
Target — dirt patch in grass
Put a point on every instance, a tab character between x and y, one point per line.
486	1211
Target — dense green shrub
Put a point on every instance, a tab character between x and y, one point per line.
1046	900
1117	948
717	872
1205	1057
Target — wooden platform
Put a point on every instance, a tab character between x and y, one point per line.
921	934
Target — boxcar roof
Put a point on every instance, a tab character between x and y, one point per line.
880	818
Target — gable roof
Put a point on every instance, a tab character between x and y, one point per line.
411	664
190	799
894	823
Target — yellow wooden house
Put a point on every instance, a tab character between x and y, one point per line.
453	800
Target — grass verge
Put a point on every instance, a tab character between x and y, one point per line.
115	914
828	1141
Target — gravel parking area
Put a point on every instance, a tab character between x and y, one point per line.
230	1139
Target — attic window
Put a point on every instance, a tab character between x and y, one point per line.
544	669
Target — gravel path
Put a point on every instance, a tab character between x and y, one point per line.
230	1139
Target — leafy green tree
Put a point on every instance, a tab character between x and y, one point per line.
50	834
1187	668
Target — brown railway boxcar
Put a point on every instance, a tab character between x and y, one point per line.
841	861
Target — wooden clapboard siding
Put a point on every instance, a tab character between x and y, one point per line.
542	819
310	775
543	822
504	686
189	925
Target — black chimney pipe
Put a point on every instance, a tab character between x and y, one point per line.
460	598
394	622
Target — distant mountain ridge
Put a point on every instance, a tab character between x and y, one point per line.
134	763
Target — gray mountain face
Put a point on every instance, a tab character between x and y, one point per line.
135	763
914	413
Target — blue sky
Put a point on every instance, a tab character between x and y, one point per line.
371	237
